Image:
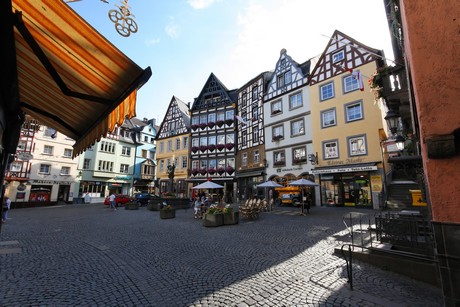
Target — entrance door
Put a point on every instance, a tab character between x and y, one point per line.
63	193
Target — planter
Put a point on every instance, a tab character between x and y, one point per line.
220	147
211	125
231	218
211	148
213	220
219	123
203	126
168	214
153	206
194	127
220	170
131	206
229	122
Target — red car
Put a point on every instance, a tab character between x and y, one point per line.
120	199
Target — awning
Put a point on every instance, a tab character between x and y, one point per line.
70	77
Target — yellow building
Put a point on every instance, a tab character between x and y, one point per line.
346	124
173	141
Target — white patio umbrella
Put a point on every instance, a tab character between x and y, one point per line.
267	185
208	185
303	183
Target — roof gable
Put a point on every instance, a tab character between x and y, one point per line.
214	94
176	120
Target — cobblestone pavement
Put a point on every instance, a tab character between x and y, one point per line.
88	255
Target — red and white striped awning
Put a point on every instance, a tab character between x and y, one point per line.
69	76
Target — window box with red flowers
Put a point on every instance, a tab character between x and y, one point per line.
279	163
299	160
194	172
211	124
277	137
274	112
203	171
203	126
229	170
229	146
195	149
229	122
220	147
203	148
219	123
211	170
211	147
220	170
194	127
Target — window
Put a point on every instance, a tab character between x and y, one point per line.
357	145
203	141
162	147
278	132
176	162
162	165
212	140
229	114
244	159
50	132
295	101
124	168
212	117
68	153
244	138
184	142
297	127
221	116
184	161
203	119
280	81
221	139
256	157
230	139
244	99
146	138
338	56
152	155
299	154
328	118
86	163
221	163
255	93
203	164
279	158
126	151
169	145
22	145
255	135
350	83
44	169
331	149
48	150
276	107
255	112
65	171
177	144
105	166
195	120
195	142
152	140
195	164
353	111
287	77
327	91
144	153
16	167
107	147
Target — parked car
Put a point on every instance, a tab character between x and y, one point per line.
120	199
143	198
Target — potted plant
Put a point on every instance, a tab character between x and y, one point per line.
211	147
211	170
131	205
167	212
213	217
229	169
203	148
194	127
219	123
299	160
203	171
211	124
276	111
229	122
220	146
220	170
195	149
229	146
279	163
231	217
203	126
194	172
277	137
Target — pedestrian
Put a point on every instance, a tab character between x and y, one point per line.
112	202
197	209
6	208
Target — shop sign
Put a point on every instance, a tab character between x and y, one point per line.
21	187
345	169
123	177
41	181
279	170
376	183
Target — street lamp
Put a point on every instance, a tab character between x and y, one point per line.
399	140
392	117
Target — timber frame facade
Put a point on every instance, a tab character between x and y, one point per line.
250	157
173	144
213	137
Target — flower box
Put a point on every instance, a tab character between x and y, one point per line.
131	206
211	148
299	161
220	146
194	172
194	127
229	122
211	124
167	213
213	219
276	111
277	137
279	163
219	123
195	149
229	146
203	126
231	218
220	170
203	148
203	171
211	171
229	170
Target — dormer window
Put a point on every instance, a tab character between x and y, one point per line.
338	56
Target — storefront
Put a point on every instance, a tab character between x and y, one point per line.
351	186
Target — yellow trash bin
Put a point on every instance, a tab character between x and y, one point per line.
417	199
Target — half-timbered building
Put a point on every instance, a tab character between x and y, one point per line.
173	143
287	119
213	143
250	159
346	123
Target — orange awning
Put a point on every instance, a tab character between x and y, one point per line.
70	77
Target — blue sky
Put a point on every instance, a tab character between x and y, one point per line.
183	41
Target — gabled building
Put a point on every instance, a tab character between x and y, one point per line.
213	137
251	157
288	136
173	141
347	124
144	133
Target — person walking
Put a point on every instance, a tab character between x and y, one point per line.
112	202
6	208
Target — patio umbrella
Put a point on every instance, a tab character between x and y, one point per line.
208	185
267	185
303	183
